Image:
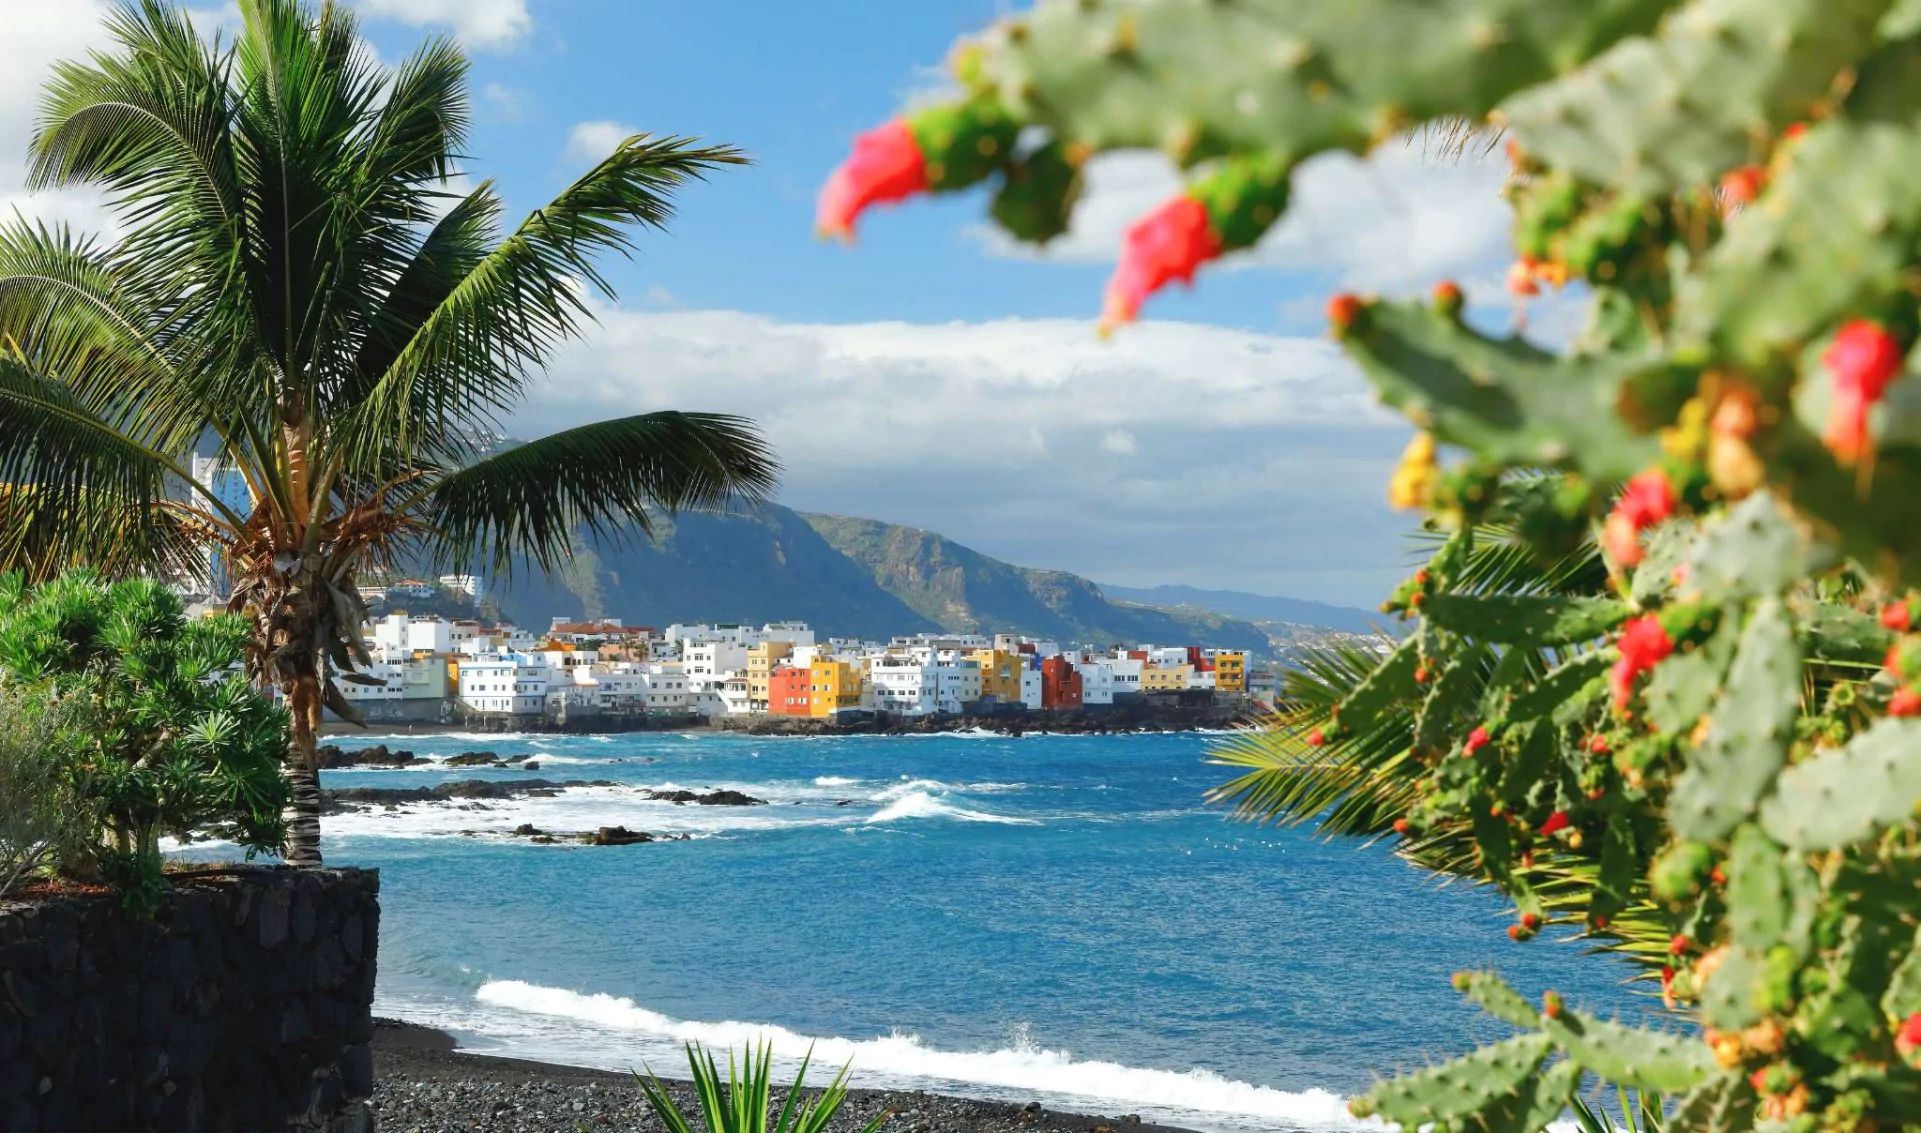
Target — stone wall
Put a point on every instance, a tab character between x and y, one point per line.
244	1005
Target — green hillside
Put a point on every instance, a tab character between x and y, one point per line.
965	591
757	568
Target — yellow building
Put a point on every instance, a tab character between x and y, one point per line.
835	687
1165	678
1230	672
762	660
1000	673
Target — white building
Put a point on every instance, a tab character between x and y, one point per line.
900	684
1097	681
464	584
712	661
391	675
412	588
734	696
1031	689
1126	672
400	635
506	683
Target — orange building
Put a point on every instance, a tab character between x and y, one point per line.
834	687
790	692
1060	683
1000	674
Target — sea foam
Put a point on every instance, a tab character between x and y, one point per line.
900	1059
920	804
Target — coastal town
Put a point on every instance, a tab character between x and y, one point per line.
430	667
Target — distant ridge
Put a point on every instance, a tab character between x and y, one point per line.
965	591
1254	607
854	577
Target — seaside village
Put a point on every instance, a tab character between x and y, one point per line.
437	668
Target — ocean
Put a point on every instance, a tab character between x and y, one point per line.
1060	918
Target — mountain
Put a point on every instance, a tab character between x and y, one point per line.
1253	607
965	591
702	567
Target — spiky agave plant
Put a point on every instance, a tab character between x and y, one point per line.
742	1102
301	286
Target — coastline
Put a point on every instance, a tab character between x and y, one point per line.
423	1082
1118	720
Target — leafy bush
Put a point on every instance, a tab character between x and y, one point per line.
1707	750
156	732
40	821
742	1102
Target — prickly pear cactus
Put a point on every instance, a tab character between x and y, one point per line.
1693	734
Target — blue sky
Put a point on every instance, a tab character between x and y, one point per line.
934	375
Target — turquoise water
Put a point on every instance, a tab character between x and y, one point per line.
1053	917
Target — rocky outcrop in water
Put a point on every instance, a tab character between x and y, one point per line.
338	800
332	758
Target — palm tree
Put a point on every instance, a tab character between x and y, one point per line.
1361	780
299	288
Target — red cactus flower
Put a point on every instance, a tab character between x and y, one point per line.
1679	944
1647	500
1316	739
1897	617
1904	702
1515	932
1165	245
1643	644
1556	822
1342	310
1598	745
1741	186
886	165
1401	826
1447	297
1908	1039
1551	1005
1530	921
1862	362
1476	740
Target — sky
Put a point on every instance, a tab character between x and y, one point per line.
935	374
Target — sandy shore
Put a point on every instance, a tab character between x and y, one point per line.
423	1085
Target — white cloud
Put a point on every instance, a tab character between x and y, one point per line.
1176	452
36	37
593	141
478	23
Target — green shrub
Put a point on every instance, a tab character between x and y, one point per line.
40	821
154	729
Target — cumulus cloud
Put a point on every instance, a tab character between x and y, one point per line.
478	23
1175	453
593	141
37	36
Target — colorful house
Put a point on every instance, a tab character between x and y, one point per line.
790	692
1230	671
1060	683
1000	673
834	686
761	660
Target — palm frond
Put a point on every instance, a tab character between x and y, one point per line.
536	499
472	356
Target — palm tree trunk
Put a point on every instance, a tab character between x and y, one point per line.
303	771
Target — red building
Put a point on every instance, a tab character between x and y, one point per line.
789	692
1060	683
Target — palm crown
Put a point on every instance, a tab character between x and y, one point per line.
298	288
